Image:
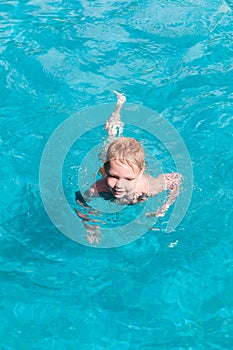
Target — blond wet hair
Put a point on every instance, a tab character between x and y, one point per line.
126	150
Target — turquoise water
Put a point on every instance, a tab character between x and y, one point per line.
163	291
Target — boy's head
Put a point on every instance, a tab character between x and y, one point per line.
125	163
127	150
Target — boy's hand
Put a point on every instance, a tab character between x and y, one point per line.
93	231
159	213
94	234
120	97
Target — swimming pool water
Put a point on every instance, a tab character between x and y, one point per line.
163	291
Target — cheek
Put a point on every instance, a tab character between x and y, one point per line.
130	185
111	182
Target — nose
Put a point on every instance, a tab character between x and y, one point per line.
119	184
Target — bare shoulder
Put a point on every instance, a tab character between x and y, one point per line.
155	184
97	187
163	182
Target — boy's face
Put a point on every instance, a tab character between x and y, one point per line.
122	178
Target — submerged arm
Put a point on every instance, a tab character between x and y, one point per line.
93	234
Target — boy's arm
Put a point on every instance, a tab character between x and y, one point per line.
93	234
165	182
93	192
96	189
93	230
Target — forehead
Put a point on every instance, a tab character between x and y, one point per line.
121	168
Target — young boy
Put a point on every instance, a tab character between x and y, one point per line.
124	179
123	175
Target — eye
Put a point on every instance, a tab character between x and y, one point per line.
129	179
113	176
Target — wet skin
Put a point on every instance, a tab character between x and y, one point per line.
123	179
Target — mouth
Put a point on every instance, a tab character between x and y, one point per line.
118	193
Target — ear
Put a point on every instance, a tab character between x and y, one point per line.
102	171
141	173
